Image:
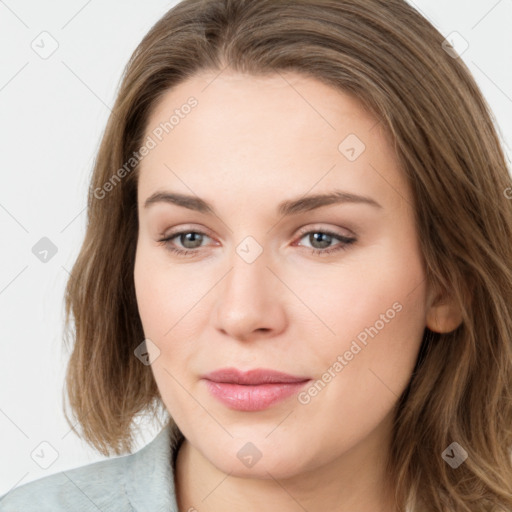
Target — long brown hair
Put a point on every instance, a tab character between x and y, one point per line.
394	61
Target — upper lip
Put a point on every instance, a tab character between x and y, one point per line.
252	377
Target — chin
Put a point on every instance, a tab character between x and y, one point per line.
258	459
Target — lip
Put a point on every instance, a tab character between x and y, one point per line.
253	390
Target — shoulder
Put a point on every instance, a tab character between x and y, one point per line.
85	488
138	481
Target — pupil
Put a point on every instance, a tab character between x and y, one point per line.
190	237
320	235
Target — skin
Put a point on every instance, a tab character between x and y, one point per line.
251	143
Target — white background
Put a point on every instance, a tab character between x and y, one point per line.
53	112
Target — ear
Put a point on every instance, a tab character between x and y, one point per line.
443	313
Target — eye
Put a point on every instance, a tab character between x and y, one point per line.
192	241
323	239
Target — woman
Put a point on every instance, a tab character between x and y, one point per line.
298	245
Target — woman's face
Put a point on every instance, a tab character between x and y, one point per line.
251	293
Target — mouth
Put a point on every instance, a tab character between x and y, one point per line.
254	390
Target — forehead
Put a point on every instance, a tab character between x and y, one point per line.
235	101
283	130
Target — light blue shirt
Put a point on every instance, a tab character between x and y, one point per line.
139	482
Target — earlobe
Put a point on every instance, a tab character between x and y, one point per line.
444	315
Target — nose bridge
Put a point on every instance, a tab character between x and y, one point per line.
248	276
246	301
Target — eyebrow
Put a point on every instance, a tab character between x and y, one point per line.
285	208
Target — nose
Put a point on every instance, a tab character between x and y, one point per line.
249	302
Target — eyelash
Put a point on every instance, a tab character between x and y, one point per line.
346	241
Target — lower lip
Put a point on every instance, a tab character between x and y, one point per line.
252	398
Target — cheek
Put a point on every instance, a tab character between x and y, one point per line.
375	309
147	295
153	296
160	292
357	297
374	304
160	311
169	308
377	315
